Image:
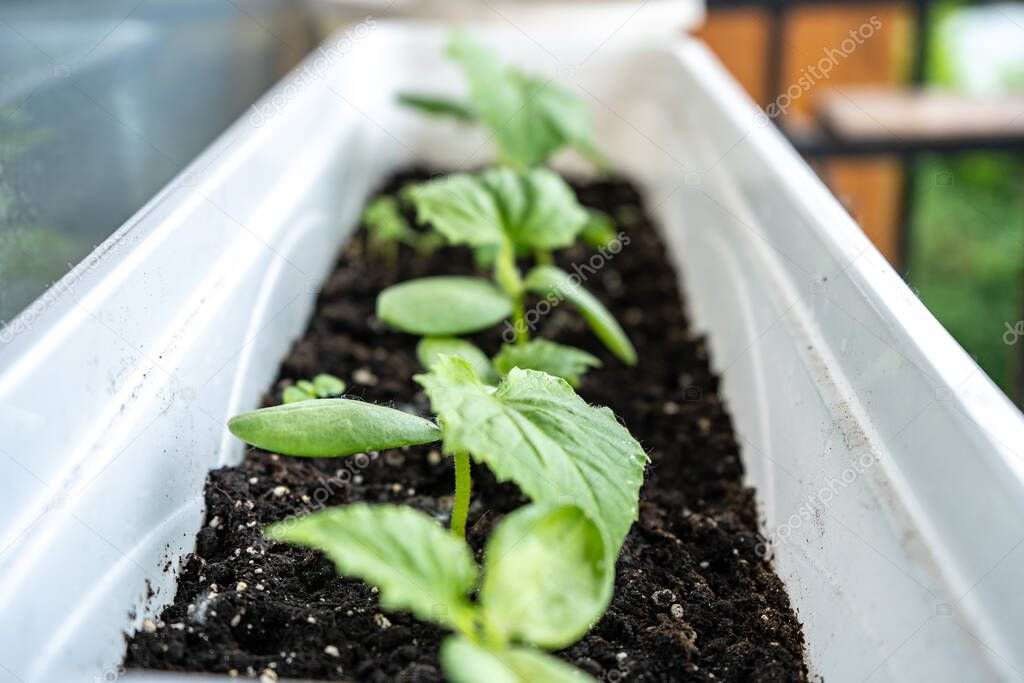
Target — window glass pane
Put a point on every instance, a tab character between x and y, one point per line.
103	102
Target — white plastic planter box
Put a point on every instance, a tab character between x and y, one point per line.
116	386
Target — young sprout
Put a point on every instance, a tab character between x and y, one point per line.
529	117
547	576
558	360
387	228
501	213
532	429
322	386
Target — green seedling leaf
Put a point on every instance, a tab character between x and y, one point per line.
385	223
443	306
539	209
599	230
330	427
566	362
530	117
466	662
548	280
294	394
534	209
547	577
439	105
306	386
460	207
417	565
327	386
534	430
431	348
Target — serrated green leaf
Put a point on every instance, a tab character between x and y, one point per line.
548	577
466	662
326	385
545	280
534	209
459	207
530	118
559	360
539	209
534	430
438	105
430	349
599	230
330	427
443	306
418	566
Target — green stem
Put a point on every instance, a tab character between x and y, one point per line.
463	485
519	321
506	274
544	257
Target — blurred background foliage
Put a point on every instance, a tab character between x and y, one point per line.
966	255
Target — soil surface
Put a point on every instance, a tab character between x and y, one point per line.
693	600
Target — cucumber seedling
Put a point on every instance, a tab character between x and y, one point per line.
546	578
528	116
501	213
532	429
321	386
387	228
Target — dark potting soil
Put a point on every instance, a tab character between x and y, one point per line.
693	600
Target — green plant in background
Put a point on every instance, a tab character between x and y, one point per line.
322	386
965	253
967	224
546	579
32	257
528	117
387	228
532	429
503	213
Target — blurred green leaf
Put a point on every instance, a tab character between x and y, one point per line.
443	306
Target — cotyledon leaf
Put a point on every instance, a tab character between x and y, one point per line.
534	430
331	426
438	105
548	280
443	306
